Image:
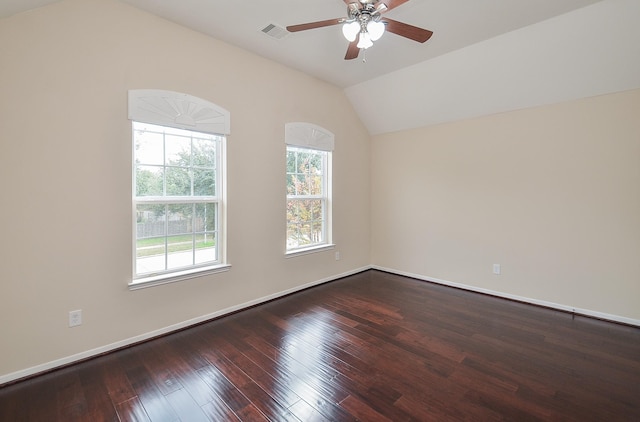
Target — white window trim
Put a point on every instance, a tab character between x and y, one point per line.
175	109
308	135
158	280
306	251
182	111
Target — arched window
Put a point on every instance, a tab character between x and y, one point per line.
309	149
178	186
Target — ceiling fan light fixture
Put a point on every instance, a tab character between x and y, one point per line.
364	25
365	40
350	30
375	30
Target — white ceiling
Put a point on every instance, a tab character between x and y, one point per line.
485	56
591	51
320	52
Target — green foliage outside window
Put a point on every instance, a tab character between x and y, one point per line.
305	200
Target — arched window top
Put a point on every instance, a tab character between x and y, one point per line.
308	135
175	109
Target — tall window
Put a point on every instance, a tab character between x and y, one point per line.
308	187
178	183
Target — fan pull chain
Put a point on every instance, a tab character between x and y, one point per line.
364	56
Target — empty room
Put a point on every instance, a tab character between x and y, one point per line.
403	210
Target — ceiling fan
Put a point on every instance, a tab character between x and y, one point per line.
364	24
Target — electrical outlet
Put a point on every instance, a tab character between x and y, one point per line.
496	269
337	255
75	318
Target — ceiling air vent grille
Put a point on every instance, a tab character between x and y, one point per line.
275	31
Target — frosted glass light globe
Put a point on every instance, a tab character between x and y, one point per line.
375	29
365	40
350	30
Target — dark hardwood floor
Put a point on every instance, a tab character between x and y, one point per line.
369	347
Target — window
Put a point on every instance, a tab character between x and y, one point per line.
306	199
308	187
178	186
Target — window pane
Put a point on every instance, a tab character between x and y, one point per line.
303	212
177	150
300	218
302	188
294	236
292	229
206	250
149	147
315	185
150	246
204	153
291	161
315	208
303	162
150	221
292	211
305	172
206	217
180	219
291	184
178	181
150	255
150	238
304	234
179	251
305	222
316	232
204	182
170	163
149	180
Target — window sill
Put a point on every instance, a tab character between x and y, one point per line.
307	251
157	280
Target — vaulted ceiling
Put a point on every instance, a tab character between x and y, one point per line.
485	56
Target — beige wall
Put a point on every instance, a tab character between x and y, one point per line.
552	194
65	166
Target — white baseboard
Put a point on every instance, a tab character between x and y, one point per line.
185	324
566	308
162	331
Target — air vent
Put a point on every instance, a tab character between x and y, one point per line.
275	31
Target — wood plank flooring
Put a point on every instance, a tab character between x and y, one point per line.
370	347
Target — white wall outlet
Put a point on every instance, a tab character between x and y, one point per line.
337	255
75	318
496	268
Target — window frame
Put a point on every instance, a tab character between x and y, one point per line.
306	136
181	112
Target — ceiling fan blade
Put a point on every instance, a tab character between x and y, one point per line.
352	51
392	4
313	25
407	31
